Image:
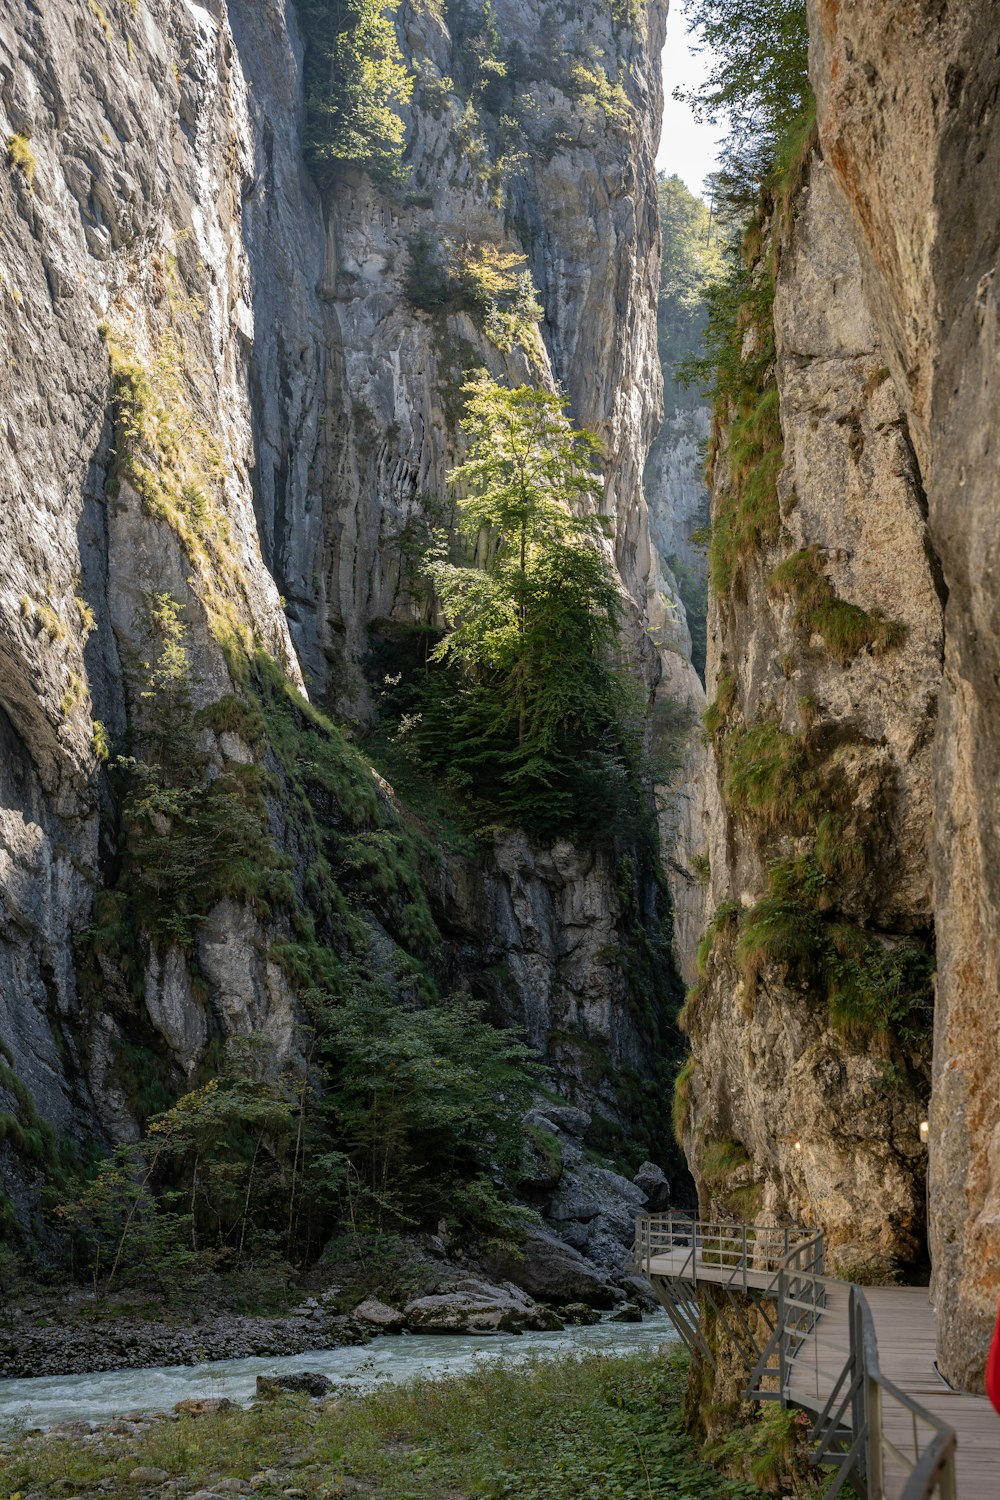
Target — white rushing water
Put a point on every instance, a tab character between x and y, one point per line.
392	1358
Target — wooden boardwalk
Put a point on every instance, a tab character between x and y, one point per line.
905	1334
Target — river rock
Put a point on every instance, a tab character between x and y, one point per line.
303	1383
553	1271
579	1314
627	1314
380	1315
203	1406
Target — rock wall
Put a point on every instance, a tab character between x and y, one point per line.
228	386
908	121
824	668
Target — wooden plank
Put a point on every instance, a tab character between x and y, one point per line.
905	1333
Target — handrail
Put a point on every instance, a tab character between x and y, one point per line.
850	1430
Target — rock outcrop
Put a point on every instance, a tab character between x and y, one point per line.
809	1020
909	126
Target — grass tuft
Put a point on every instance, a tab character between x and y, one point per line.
846	629
21	158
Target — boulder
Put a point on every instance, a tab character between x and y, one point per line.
627	1314
552	1271
380	1315
468	1312
653	1181
579	1314
563	1116
203	1406
304	1383
637	1289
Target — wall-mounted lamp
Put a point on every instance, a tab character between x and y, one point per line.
796	1145
925	1132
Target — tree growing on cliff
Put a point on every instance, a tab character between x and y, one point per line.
356	80
758	83
531	717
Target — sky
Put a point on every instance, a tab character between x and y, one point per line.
687	148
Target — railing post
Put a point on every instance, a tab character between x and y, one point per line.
781	1335
744	1257
873	1414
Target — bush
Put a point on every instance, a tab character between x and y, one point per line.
356	82
21	157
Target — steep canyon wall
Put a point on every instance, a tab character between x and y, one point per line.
231	396
851	806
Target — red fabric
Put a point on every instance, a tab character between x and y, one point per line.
993	1367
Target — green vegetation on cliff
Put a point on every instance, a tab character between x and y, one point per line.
525	711
356	81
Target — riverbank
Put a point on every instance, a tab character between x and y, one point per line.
560	1429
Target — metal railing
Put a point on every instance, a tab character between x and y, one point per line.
822	1353
746	1251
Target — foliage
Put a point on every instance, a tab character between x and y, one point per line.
773	1451
871	984
569	1429
845	628
492	284
720	1158
529	717
723	918
757	84
22	1129
682	1099
356	81
693	591
21	157
189	840
205	1187
690	261
717	712
768	777
427	1104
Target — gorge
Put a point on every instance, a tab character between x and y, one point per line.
294	908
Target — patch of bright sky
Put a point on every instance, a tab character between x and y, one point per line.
687	148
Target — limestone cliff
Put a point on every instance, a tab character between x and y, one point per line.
230	399
908	123
809	1019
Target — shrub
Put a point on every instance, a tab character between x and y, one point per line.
768	777
356	82
21	157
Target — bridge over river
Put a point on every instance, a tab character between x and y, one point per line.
859	1360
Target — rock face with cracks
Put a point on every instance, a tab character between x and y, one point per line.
170	264
908	123
819	790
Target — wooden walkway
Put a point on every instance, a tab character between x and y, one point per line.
905	1334
904	1328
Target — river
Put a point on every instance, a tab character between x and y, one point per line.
389	1358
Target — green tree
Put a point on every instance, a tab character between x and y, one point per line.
533	720
426	1107
758	84
356	82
